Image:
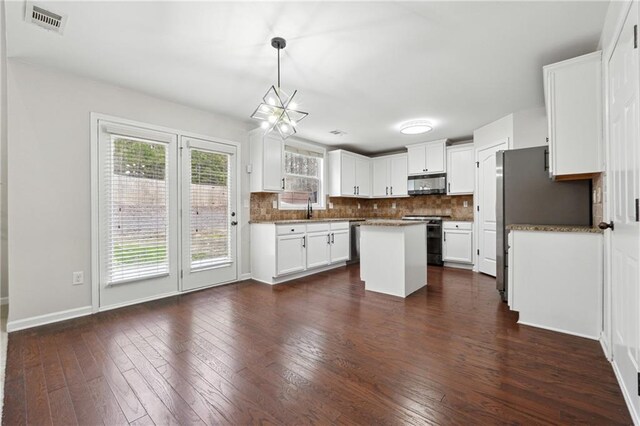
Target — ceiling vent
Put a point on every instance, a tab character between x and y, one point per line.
45	18
338	132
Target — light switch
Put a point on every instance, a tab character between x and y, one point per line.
393	205
330	205
375	205
275	204
465	204
78	278
358	205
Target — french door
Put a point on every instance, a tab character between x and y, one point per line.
209	220
166	214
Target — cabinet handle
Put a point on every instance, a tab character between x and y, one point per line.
282	183
444	235
304	241
354	190
449	187
392	190
333	238
358	190
546	159
328	238
387	191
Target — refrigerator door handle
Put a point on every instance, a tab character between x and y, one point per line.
546	160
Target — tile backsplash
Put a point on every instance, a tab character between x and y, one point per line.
433	205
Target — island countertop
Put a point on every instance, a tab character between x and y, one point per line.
314	220
391	222
554	228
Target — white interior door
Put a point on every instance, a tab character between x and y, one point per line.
486	207
208	211
138	221
623	181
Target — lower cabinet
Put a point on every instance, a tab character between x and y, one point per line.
457	242
282	252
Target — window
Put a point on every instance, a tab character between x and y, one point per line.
137	210
303	176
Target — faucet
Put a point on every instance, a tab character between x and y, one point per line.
309	209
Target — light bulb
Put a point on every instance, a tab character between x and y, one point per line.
272	101
264	124
293	123
292	105
284	127
272	119
265	108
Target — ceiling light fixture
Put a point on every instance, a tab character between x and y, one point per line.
415	127
278	111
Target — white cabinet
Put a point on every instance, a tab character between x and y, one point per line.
389	176
427	158
457	242
339	242
282	252
291	253
460	169
349	174
573	96
266	162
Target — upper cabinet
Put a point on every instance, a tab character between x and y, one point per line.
427	158
389	176
349	174
267	162
573	96
460	169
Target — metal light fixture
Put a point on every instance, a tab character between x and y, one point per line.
278	110
415	127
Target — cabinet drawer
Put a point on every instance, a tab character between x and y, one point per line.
339	225
291	229
318	227
457	225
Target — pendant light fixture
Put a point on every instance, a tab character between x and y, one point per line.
278	111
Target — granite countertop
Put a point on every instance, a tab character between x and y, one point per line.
391	222
291	221
451	219
555	228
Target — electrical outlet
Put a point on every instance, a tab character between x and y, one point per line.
78	278
375	205
330	205
275	204
393	205
358	205
465	204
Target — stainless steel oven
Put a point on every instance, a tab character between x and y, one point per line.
434	237
427	184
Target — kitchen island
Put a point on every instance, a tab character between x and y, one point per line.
393	256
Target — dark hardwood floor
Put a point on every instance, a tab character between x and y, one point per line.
317	350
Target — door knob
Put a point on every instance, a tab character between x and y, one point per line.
234	223
605	225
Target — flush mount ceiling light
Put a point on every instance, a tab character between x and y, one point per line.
415	127
278	110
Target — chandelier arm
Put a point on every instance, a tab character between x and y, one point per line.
278	67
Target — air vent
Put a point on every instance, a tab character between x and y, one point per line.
338	132
45	18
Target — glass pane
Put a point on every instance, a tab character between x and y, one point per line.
298	190
298	164
209	200
138	211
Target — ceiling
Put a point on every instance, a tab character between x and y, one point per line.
360	67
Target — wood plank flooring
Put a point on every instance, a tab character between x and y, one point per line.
318	350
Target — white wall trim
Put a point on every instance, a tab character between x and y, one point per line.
4	300
95	191
291	277
559	330
39	320
138	301
635	416
245	277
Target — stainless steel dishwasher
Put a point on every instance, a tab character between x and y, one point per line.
355	242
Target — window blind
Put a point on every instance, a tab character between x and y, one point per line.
137	209
209	209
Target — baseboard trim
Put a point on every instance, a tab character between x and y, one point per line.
559	330
295	276
245	277
51	318
467	266
605	348
138	301
635	417
4	300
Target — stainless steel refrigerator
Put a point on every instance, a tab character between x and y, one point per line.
526	195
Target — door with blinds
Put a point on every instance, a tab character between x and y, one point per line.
138	215
208	216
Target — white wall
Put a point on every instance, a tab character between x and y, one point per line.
529	128
493	133
50	197
4	282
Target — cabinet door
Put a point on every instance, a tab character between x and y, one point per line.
348	175
290	256
380	183
457	246
416	160
273	164
460	170
340	245
435	157
363	177
398	175
318	249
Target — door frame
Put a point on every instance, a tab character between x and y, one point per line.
95	197
476	198
606	332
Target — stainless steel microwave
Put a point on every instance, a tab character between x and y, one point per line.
428	184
